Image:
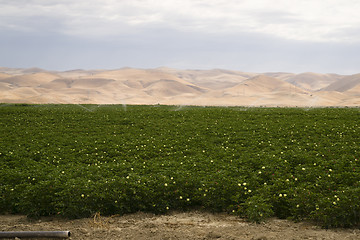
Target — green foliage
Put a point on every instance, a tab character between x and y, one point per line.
257	208
76	160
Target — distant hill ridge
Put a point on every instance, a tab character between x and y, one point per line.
216	87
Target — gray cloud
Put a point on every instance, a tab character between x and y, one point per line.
163	47
297	20
249	35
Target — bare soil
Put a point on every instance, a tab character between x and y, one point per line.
189	225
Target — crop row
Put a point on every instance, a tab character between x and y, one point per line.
76	160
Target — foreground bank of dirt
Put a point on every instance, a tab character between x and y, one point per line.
191	225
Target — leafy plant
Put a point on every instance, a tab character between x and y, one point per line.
75	161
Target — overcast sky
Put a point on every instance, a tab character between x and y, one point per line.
246	35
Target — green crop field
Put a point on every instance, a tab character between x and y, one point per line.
76	160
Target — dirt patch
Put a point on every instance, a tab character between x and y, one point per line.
190	225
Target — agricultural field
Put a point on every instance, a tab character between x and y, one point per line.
78	160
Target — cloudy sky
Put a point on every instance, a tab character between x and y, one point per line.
246	35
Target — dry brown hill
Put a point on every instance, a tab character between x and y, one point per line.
213	79
344	84
354	91
264	84
33	70
168	88
280	75
144	78
11	71
141	75
178	87
5	86
4	75
312	81
30	80
78	73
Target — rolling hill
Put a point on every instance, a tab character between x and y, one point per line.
163	85
345	84
312	81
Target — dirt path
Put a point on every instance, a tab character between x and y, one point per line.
191	225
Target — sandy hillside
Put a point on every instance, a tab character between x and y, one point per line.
216	87
354	91
280	75
4	75
213	79
345	84
263	84
312	81
30	80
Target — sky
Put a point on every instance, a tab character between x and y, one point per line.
246	35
